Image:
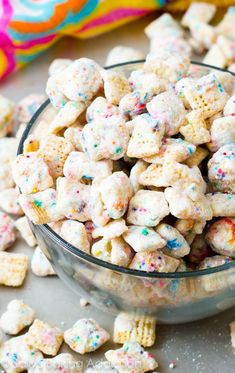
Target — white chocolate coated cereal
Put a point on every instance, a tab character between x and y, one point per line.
148	208
17	317
131	357
85	336
143	238
40	265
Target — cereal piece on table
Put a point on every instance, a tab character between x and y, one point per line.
58	65
75	233
100	108
206	94
146	81
115	251
41	207
215	57
226	26
184	225
229	108
187	179
195	131
85	336
13	268
172	149
146	136
79	167
66	116
198	11
205	34
6	177
57	98
143	238
154	261
166	65
134	103
17	317
220	236
196	158
135	173
120	54
199	250
165	25
44	337
222	132
55	151
16	355
134	328
131	357
154	176
31	144
116	86
111	230
73	134
40	265
24	228
116	192
28	106
31	173
99	215
9	201
6	117
176	245
167	108
181	205
73	198
232	333
221	171
81	80
61	363
147	208
171	44
105	139
7	231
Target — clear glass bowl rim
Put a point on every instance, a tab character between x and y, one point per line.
89	258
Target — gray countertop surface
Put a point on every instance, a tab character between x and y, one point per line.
199	347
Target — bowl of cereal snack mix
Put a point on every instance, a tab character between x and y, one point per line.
127	176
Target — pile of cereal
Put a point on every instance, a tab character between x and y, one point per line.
137	171
145	161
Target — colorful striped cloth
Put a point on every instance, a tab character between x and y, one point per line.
28	27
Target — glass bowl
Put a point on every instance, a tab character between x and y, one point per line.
171	297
